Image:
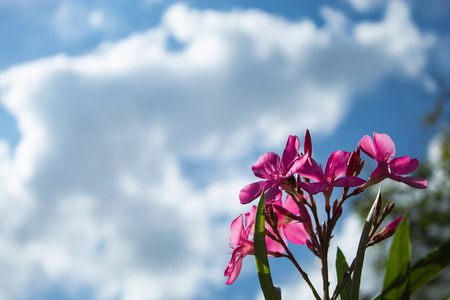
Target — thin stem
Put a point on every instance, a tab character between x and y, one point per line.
324	259
315	215
291	257
304	275
324	238
325	241
294	261
326	284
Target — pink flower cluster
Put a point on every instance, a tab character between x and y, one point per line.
299	175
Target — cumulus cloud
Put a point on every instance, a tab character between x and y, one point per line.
104	190
398	38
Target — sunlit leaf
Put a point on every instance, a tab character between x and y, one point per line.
426	268
262	262
396	280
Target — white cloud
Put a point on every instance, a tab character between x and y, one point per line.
398	39
97	193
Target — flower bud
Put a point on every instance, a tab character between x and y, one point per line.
307	148
387	231
351	164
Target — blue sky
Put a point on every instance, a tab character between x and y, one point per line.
127	129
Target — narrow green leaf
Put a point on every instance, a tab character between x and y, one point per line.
429	266
341	269
262	262
426	268
396	280
359	260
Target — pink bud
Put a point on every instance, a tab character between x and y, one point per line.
351	164
307	148
387	231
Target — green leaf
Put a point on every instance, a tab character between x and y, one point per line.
426	268
359	260
429	266
396	280
341	269
262	262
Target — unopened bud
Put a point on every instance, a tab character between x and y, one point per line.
387	231
388	208
377	209
359	167
351	164
335	205
307	145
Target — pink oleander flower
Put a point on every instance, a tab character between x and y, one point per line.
382	150
292	229
335	167
241	241
274	171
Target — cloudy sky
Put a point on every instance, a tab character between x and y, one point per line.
127	128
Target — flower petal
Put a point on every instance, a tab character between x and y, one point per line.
290	152
275	246
249	221
237	226
314	187
252	191
312	170
297	166
404	165
266	165
234	266
290	205
366	145
336	165
272	192
296	233
349	181
384	146
415	182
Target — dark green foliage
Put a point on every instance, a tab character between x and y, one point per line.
341	269
397	275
